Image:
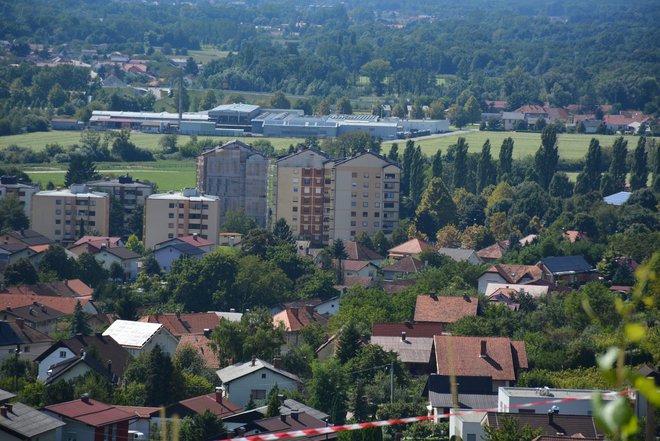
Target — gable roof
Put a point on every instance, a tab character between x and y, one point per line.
13	333
293	421
33	313
461	356
131	333
515	273
550	424
409	350
413	246
29	237
294	319
181	323
407	264
65	305
567	264
61	288
573	236
357	251
495	251
200	404
411	329
239	370
27	422
458	254
533	290
619	198
195	240
202	345
91	412
181	247
444	309
122	253
99	241
355	265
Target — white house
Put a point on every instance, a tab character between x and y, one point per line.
508	398
19	422
138	337
328	307
461	255
253	380
127	259
166	255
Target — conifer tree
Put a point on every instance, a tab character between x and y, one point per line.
436	164
589	179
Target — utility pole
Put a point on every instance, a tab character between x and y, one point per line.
391	382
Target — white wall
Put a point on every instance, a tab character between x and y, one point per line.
487	278
53	359
238	391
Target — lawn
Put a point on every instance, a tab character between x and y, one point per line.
206	54
38	140
571	146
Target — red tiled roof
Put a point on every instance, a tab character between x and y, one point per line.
444	309
208	402
406	264
584	117
413	246
531	108
61	288
411	329
354	265
184	323
397	286
461	356
514	273
195	240
139	411
287	423
356	251
98	241
201	344
92	412
573	236
495	251
39	248
62	304
295	319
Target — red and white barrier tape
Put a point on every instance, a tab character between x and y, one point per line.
408	420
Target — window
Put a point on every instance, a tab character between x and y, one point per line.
92	223
180	205
353	204
58	201
170	225
307	181
58	212
352	213
263	375
365	204
67	212
352	233
365	214
296	180
258	394
377	184
365	224
376	214
353	185
62	354
354	174
295	189
171	215
471	437
26	349
170	236
180	215
205	206
353	223
180	225
68	222
376	224
58	232
365	185
58	222
377	204
366	175
92	213
365	195
353	194
294	209
306	190
317	190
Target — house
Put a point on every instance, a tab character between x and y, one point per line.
90	420
578	401
444	309
166	255
139	337
179	324
294	319
213	402
568	269
290	422
37	316
142	422
328	307
529	239
288	406
359	268
21	422
94	244
11	253
574	236
461	255
328	349
619	198
15	335
202	345
252	380
66	305
194	239
506	297
25	237
411	329
232	315
510	120
414	247
414	352
396	286
104	356
58	288
535	291
402	268
494	252
551	424
505	273
357	251
231	240
125	258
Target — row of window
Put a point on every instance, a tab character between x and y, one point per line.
364	224
78	202
193	206
68	222
364	214
190	226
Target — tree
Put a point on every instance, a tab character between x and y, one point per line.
460	164
618	164
486	170
448	237
20	272
78	322
81	169
436	208
547	156
116	218
150	265
472	110
417	111
436	164
408	154
506	159
344	106
90	270
57	96
377	70
209	101
380	243
12	214
323	108
57	262
560	186
117	272
457	116
191	67
393	154
656	170
510	429
589	179
188	360
416	177
349	342
162	382
639	172
282	232
168	143
237	222
338	252
273	408
134	244
327	389
280	101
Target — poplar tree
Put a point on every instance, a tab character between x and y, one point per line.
618	164
436	164
589	179
639	171
460	164
417	176
486	171
408	154
547	156
506	158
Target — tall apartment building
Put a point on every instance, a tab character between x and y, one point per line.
171	215
131	193
10	184
323	199
61	214
238	174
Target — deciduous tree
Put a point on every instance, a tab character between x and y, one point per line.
639	172
547	156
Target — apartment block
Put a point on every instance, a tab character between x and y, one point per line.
237	174
10	184
131	193
171	215
323	199
62	214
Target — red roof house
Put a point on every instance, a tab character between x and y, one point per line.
214	403
179	323
444	309
413	247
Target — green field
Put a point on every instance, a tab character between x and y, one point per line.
38	140
206	54
571	146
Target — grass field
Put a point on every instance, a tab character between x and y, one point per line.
38	140
206	54
571	146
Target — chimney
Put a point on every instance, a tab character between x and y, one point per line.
10	407
207	332
194	236
3	411
294	311
178	314
554	410
110	368
232	309
218	395
85	398
295	414
484	352
277	362
466	297
254	359
20	322
283	418
403	335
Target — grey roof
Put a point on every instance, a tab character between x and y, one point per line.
457	254
6	395
410	350
187	249
513	115
28	422
238	370
567	264
619	198
122	252
465	401
30	237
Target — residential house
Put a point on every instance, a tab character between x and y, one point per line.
94	244
19	422
511	120
294	319
357	251
358	268
551	424
11	185
290	422
37	316
505	296
496	106
494	252
90	420
578	401
567	269
139	337
328	349
26	237
505	273
171	215
168	254
125	258
17	339
95	352
238	175
202	345
231	315
66	305
527	240
535	291
194	239
397	285
625	122
140	427
402	268
414	352
288	406
461	255
253	380
215	403
574	236
328	307
11	253
411	329
58	288
413	247
232	240
181	323
444	309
